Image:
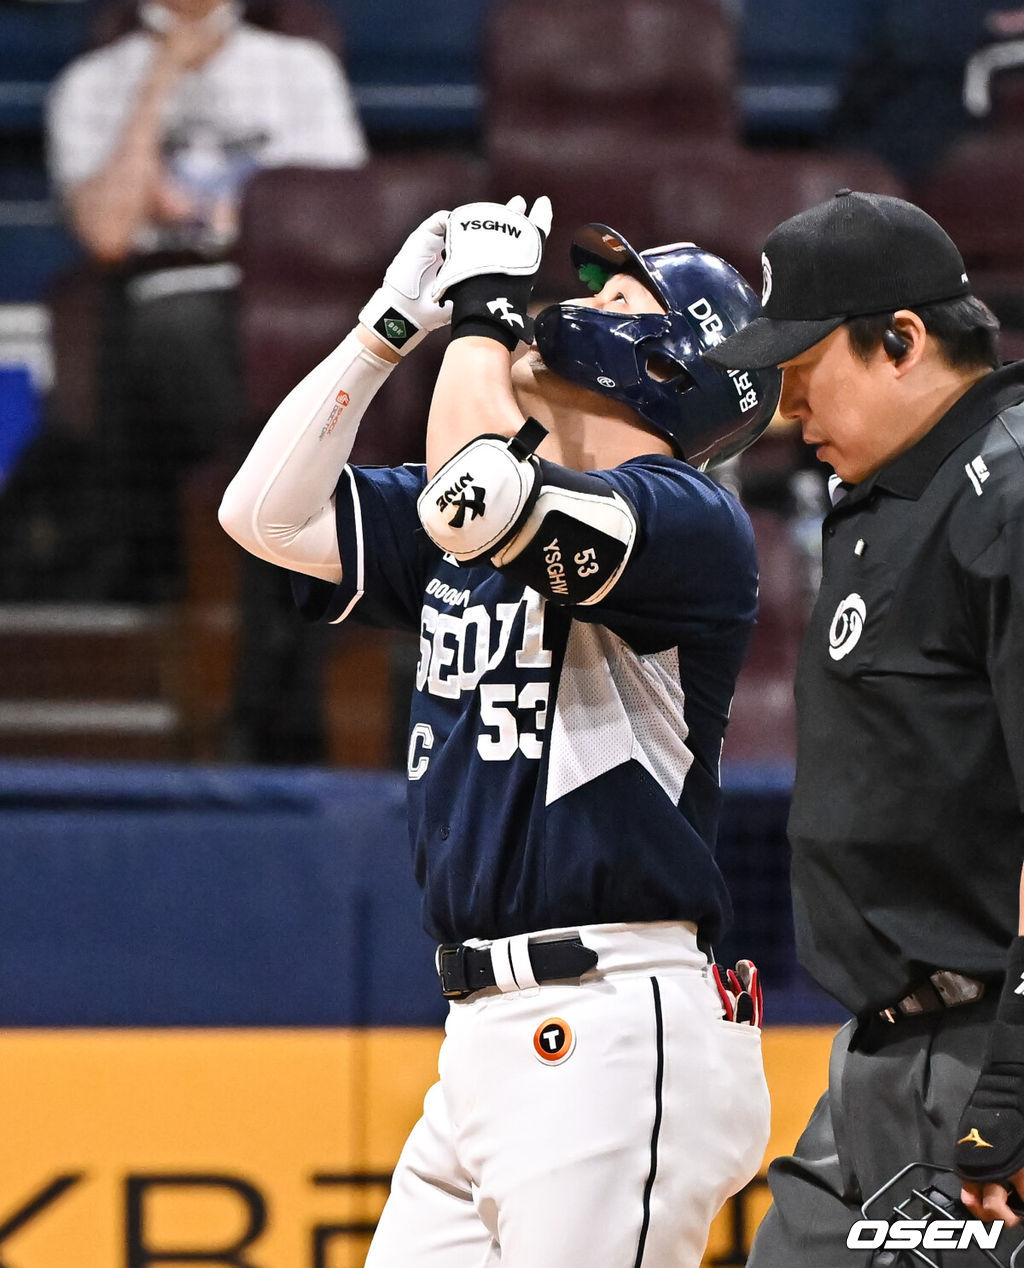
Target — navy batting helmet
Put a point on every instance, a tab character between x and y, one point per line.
652	361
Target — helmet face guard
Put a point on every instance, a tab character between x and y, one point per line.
652	361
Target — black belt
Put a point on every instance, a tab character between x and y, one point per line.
944	989
464	970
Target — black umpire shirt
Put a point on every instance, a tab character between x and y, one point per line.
906	824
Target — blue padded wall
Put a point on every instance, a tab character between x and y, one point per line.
167	896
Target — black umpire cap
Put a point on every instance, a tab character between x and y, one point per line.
853	255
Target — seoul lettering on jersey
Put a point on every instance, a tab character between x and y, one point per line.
458	648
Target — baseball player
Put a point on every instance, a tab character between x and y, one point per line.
906	824
583	595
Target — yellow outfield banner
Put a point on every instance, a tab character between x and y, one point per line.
249	1148
269	1148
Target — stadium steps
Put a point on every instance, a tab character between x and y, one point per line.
90	681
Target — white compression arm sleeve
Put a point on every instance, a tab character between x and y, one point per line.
280	505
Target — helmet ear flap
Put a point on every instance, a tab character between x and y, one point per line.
665	369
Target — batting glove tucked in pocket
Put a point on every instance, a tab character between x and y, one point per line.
739	990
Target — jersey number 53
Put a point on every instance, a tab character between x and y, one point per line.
457	649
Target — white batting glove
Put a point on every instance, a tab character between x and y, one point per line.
484	238
403	310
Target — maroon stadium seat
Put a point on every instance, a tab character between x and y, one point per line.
314	246
975	193
665	66
728	199
1008	100
596	171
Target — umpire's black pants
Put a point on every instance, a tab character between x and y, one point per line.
895	1095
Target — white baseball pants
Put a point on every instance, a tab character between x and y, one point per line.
601	1125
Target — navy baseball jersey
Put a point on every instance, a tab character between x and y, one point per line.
563	761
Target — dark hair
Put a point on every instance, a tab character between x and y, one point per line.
965	329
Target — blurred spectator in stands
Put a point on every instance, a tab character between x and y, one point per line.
903	99
150	139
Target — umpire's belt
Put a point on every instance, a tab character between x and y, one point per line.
944	989
464	969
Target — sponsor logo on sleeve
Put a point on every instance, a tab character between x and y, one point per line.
341	403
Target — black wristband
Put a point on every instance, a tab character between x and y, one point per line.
990	1137
493	305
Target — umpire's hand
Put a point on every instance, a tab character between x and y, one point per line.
991	1201
990	1139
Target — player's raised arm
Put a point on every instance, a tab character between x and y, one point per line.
492	253
522	450
280	505
488	496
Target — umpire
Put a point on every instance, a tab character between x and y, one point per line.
906	824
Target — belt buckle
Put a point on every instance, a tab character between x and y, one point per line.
451	969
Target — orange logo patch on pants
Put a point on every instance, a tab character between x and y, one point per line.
553	1041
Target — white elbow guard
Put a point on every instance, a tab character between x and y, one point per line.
566	534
